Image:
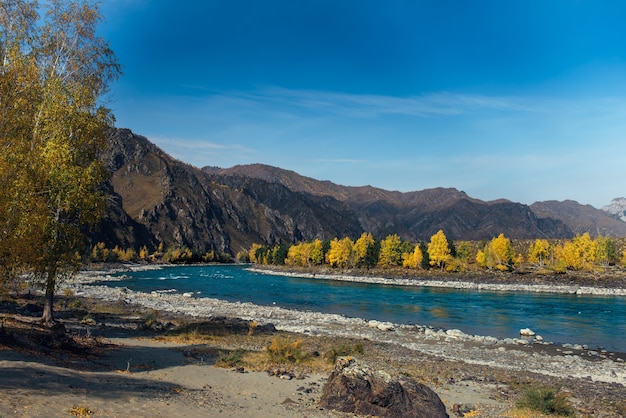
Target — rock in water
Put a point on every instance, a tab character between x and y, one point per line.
353	387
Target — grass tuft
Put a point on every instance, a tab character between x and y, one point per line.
230	359
546	400
285	350
343	349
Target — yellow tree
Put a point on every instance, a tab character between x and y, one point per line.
578	254
439	250
294	255
362	246
340	252
413	259
300	254
539	252
60	130
20	92
317	252
390	251
500	253
256	253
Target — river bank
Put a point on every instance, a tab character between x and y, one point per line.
464	369
515	354
581	284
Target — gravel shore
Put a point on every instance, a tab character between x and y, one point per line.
484	373
515	354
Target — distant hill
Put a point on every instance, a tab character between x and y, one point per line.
415	215
156	198
581	218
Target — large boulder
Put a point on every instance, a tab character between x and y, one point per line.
354	387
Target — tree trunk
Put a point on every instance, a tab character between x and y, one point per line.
48	307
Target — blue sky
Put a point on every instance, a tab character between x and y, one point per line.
501	99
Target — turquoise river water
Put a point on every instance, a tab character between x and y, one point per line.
598	321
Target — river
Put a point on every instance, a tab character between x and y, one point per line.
597	321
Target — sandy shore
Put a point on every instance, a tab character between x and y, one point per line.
160	382
143	377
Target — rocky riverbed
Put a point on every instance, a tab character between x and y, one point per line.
527	353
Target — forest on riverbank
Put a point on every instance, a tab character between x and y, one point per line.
583	257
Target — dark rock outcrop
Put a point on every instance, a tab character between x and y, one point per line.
355	388
156	198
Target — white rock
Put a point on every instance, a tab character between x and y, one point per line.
385	326
455	333
527	332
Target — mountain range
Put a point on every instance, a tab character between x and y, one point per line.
155	198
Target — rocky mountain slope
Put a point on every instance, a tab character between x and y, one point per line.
416	215
160	199
617	208
155	198
581	218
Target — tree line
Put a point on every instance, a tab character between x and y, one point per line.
174	255
582	253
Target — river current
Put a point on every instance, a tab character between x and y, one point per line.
597	321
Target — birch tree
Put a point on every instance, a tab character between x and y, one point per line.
49	153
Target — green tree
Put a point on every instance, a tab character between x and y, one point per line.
51	139
438	250
425	264
279	254
464	251
606	251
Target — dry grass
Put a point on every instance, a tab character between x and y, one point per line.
81	411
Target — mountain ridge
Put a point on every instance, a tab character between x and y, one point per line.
156	198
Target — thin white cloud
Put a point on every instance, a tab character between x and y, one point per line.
201	153
371	105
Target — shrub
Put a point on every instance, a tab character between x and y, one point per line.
284	350
546	400
342	350
150	318
231	359
80	411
